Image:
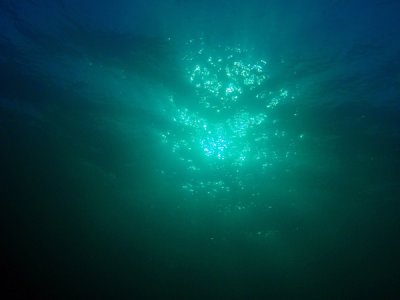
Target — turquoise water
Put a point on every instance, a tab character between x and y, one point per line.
199	149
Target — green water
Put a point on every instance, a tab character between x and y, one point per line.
187	150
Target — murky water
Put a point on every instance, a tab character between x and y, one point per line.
200	150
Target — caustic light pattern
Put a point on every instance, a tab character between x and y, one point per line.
232	134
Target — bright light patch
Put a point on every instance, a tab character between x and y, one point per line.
218	152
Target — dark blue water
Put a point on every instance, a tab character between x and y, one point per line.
199	149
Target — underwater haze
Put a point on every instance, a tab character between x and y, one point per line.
195	149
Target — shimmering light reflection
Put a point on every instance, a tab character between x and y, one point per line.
221	78
224	154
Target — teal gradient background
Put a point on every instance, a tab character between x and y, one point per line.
199	149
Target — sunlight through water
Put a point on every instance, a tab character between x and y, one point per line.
233	134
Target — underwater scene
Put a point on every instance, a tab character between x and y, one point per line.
195	149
